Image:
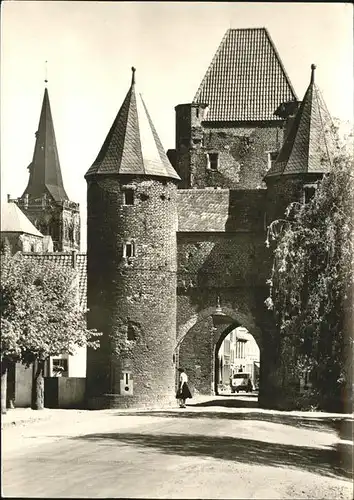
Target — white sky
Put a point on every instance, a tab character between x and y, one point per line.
91	46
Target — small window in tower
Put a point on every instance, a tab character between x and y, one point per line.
197	112
131	335
213	161
309	193
129	249
128	197
272	156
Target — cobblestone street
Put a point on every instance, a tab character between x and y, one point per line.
221	447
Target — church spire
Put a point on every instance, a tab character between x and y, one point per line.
45	172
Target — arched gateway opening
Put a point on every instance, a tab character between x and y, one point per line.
199	341
237	362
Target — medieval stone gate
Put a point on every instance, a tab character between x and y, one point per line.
171	235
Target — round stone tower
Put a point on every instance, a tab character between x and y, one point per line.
131	264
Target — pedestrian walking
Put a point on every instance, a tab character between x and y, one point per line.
183	391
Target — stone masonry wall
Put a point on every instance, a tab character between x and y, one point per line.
132	297
243	155
220	260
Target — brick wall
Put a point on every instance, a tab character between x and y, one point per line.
138	293
242	149
282	190
222	260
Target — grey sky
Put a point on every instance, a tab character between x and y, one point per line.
90	47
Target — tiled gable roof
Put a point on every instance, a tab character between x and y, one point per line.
66	260
246	80
45	172
13	220
132	145
307	147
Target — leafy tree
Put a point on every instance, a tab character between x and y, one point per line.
40	316
311	287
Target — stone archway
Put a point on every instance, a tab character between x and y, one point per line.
197	339
242	319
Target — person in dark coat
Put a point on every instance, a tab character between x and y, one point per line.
183	391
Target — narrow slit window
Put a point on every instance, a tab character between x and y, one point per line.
131	332
129	249
128	197
272	156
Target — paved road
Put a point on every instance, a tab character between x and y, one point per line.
215	450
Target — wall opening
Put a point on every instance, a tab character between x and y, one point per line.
237	363
129	249
128	197
213	161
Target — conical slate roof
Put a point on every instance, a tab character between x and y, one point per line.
132	145
246	80
307	147
45	173
13	220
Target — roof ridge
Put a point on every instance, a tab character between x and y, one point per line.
211	65
280	62
320	101
138	125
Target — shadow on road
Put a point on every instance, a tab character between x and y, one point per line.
341	425
230	402
327	462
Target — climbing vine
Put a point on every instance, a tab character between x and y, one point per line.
311	285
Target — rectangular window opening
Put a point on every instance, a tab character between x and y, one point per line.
131	333
128	197
272	156
309	193
213	161
129	250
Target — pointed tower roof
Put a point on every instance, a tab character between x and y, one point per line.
307	147
45	172
132	145
246	80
